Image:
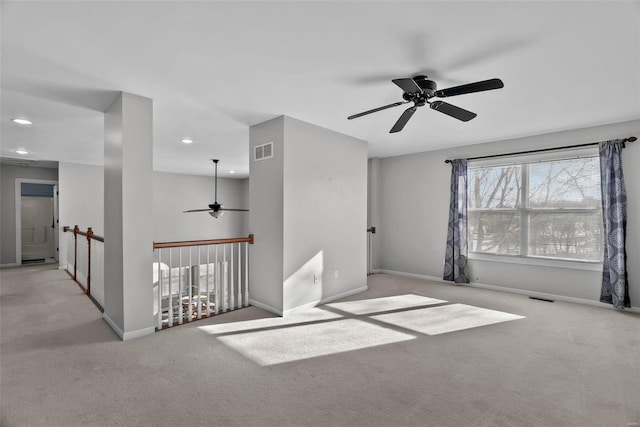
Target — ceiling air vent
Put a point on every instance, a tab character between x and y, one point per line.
262	152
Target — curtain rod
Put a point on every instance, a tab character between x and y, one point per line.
629	139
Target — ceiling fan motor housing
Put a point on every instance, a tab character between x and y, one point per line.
427	86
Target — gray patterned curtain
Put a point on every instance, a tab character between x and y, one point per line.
455	260
615	288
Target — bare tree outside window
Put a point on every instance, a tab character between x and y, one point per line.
548	209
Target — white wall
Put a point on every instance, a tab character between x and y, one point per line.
174	193
414	200
8	176
266	195
325	214
308	214
81	194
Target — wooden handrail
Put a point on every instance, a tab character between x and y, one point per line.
90	236
163	245
83	233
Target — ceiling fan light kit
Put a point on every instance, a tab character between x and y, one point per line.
215	209
420	90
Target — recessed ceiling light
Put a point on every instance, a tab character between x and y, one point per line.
22	121
232	171
187	140
22	151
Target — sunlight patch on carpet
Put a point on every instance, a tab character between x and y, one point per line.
311	315
282	345
376	305
447	318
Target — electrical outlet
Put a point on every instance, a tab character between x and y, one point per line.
316	279
335	274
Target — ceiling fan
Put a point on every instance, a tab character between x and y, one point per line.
420	90
215	209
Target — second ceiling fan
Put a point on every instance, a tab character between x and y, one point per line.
215	209
420	90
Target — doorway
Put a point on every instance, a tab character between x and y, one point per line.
36	221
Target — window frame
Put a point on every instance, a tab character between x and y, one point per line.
524	211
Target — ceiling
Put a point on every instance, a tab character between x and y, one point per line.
213	69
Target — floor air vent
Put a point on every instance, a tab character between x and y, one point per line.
263	152
541	299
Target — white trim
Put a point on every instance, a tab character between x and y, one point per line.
415	276
560	153
14	264
344	294
265	307
139	333
18	209
548	296
534	261
300	308
511	290
125	336
308	305
113	325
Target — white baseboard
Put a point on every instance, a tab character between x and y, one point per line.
510	290
548	296
300	308
415	276
11	264
309	305
265	307
113	325
326	300
344	294
125	336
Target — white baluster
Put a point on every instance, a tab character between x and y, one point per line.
170	320
246	274
239	300
216	284
231	287
225	282
199	288
159	289
190	291
180	274
207	285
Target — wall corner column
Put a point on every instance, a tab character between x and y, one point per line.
128	228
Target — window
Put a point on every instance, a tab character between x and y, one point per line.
533	208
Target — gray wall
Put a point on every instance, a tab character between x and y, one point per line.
309	216
81	201
414	199
325	214
128	209
174	193
266	195
8	176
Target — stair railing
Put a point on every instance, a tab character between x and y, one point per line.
199	278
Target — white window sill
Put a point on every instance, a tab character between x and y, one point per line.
542	262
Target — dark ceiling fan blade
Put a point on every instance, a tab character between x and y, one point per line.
197	210
453	111
407	85
470	88
404	118
234	210
395	104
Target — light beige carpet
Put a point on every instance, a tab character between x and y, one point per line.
472	358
